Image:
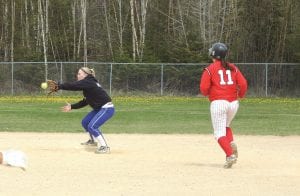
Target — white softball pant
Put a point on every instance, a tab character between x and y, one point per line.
222	113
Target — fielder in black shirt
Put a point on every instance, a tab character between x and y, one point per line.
98	99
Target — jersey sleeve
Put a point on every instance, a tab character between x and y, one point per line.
205	82
80	104
73	86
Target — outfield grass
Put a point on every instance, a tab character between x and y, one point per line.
256	116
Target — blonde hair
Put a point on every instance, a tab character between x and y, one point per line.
88	71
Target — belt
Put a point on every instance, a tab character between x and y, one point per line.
108	105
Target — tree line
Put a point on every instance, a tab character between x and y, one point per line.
148	30
172	31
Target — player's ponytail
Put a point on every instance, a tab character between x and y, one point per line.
226	65
93	72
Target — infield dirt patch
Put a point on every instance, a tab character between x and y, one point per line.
150	165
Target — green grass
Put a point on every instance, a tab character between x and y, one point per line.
256	116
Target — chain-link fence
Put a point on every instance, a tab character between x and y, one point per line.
264	79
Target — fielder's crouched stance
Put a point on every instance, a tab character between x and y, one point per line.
97	98
14	158
223	83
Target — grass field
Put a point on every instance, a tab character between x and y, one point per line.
256	116
184	160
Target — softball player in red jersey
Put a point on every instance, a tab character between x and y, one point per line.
223	83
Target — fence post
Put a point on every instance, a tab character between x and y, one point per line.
266	77
12	78
162	80
61	70
110	78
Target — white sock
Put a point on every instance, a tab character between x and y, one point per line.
101	140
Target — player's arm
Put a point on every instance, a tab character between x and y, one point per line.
205	82
79	104
68	107
73	86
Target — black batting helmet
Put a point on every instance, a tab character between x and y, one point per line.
218	51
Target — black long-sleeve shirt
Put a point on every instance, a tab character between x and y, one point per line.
94	94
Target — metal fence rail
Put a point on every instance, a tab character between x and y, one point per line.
265	79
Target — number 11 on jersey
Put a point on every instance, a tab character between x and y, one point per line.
222	81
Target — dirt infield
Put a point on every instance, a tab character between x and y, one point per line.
151	165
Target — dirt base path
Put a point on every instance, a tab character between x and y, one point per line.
151	165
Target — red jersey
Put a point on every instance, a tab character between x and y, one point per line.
221	84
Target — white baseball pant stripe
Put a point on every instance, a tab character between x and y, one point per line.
222	113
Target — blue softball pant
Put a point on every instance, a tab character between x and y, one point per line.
94	119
